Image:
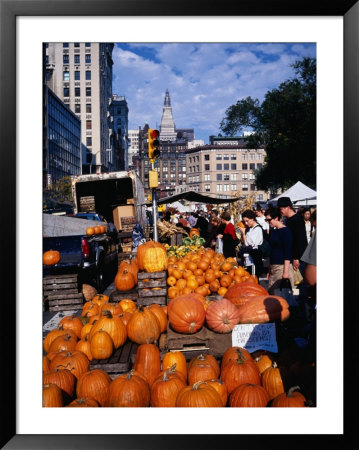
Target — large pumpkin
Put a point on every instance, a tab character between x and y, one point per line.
128	390
52	396
272	381
63	378
263	309
165	389
143	327
222	316
155	259
233	354
248	396
51	257
240	372
241	293
186	314
131	266
95	384
199	395
76	362
148	362
141	250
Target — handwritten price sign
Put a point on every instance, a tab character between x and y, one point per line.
254	337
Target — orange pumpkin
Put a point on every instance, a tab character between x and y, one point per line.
51	257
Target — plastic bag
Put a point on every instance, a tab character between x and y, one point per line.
138	237
285	290
297	277
219	245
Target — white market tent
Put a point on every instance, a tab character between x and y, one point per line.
180	208
300	195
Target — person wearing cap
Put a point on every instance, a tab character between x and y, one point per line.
295	222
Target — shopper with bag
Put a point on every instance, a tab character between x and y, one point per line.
252	237
230	240
281	241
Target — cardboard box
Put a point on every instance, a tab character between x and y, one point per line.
122	211
130	201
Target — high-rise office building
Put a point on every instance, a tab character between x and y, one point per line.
119	114
80	74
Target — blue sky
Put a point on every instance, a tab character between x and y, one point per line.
203	79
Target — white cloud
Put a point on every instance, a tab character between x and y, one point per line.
203	79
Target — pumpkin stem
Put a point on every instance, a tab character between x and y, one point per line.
172	369
129	374
197	385
107	313
291	390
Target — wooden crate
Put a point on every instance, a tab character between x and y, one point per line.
176	239
146	294
62	292
204	341
119	362
116	296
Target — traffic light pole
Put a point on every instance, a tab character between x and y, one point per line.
154	210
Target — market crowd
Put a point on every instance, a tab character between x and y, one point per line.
283	238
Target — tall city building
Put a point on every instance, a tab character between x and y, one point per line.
133	147
119	121
80	74
167	128
62	140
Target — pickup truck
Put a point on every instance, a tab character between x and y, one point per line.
93	257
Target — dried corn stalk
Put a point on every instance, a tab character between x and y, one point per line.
166	229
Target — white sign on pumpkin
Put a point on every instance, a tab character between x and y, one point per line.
254	337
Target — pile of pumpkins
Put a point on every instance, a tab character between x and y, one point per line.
151	257
97	229
238	381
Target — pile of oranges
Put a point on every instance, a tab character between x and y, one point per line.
203	272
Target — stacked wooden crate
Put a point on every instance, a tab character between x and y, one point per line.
127	223
87	203
62	292
152	288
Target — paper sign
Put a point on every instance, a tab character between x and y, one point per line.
254	337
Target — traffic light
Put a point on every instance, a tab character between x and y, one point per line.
153	144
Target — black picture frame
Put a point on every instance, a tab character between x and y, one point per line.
9	10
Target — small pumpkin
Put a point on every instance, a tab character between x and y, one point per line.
175	358
52	396
148	362
113	325
83	402
124	280
194	232
72	323
272	381
290	399
221	388
165	389
51	257
94	384
101	345
63	378
240	372
76	361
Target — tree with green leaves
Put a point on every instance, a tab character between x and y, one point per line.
285	123
58	192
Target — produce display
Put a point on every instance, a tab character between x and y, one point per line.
205	289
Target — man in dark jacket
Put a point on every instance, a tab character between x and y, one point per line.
295	222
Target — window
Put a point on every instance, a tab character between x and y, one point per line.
207	177
233	166
88	107
260	197
219	177
226	157
77	108
88	125
88	59
225	166
206	167
219	157
77	92
65	44
219	166
253	187
244	187
66	76
252	166
65	59
244	176
226	177
77	59
259	166
77	44
77	75
259	156
66	92
226	187
87	44
233	176
219	188
207	187
252	156
233	157
197	168
234	187
88	75
88	92
244	166
206	157
252	176
89	141
244	157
